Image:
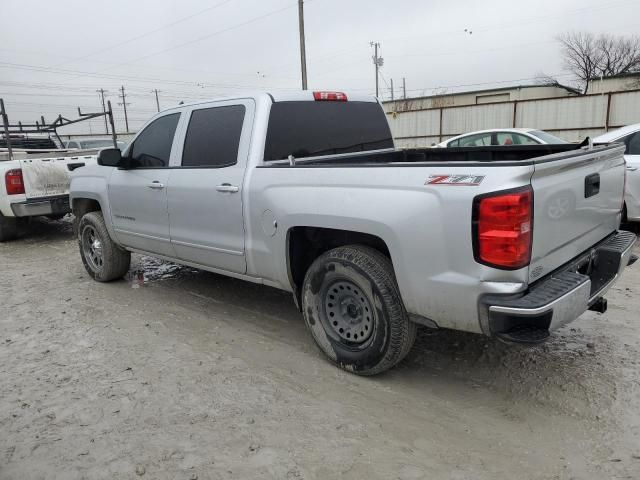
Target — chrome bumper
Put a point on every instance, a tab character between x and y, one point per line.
42	206
564	295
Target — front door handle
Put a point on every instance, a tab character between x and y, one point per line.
155	185
228	188
632	169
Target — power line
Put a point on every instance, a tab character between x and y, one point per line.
138	37
78	73
199	39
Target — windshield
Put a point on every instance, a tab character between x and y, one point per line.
547	137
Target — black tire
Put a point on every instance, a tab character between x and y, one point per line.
341	288
103	259
8	228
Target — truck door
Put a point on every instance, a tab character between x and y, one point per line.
138	194
205	192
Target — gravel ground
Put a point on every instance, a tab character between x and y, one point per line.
180	374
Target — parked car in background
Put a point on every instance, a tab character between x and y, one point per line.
502	136
630	136
89	143
305	192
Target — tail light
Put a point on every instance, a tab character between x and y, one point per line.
13	182
502	228
329	97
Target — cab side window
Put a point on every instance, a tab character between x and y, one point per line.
213	137
478	140
633	144
511	138
152	148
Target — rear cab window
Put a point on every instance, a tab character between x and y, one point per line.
308	128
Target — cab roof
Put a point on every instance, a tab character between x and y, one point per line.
281	96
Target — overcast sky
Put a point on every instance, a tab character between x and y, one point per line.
54	55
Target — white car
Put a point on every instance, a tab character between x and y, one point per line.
502	136
630	136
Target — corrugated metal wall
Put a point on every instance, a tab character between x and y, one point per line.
571	118
476	117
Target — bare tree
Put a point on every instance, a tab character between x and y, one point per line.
581	56
545	80
619	55
588	56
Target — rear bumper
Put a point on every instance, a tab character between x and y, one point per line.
34	207
561	297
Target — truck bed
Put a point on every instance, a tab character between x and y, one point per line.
503	154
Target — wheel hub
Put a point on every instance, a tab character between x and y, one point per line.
92	248
348	312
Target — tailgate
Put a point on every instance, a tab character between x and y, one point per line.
47	177
577	200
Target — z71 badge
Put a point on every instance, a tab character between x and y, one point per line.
460	180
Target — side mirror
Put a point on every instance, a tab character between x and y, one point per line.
109	157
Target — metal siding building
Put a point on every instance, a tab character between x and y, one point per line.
570	117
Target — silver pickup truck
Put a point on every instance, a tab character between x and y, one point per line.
305	192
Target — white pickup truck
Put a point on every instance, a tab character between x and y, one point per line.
36	184
305	192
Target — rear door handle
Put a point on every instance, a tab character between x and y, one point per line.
632	169
155	185
228	188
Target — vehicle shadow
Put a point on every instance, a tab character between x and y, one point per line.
43	229
578	371
573	372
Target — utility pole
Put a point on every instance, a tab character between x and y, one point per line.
102	91
124	105
404	89
377	61
5	125
157	101
303	54
113	127
392	90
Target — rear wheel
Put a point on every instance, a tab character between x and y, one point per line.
8	228
103	259
352	306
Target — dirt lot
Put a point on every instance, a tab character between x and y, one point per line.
176	373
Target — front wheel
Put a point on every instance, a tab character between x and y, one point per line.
103	259
352	306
